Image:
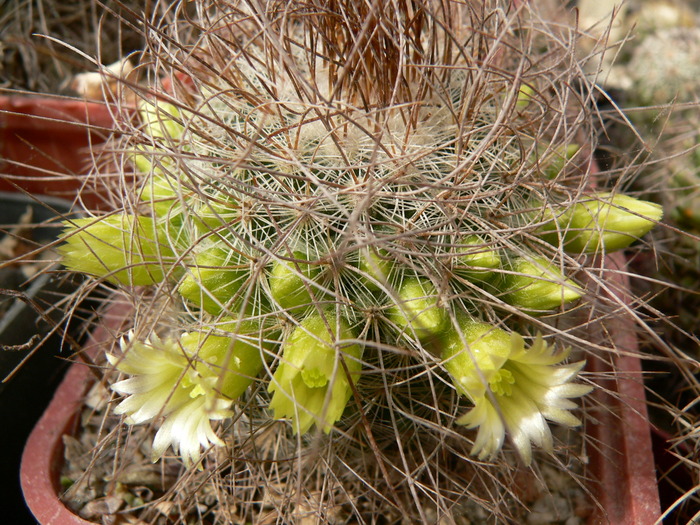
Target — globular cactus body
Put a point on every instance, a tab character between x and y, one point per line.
364	217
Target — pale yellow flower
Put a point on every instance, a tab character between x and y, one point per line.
186	383
310	386
514	389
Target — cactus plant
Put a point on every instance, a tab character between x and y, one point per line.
332	208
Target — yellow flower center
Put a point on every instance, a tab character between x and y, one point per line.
314	378
501	382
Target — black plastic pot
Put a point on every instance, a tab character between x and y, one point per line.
25	395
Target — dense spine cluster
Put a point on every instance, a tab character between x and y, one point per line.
304	228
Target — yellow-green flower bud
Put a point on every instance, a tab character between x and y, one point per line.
215	279
536	284
228	364
160	188
602	223
290	285
417	309
161	194
143	161
524	96
125	249
310	385
160	120
558	158
475	259
215	214
474	355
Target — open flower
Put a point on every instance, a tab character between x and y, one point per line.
513	389
188	383
310	384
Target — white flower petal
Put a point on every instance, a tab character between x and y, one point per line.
563	417
491	434
529	389
163	383
163	439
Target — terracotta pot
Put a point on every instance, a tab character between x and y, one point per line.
621	458
43	454
45	144
621	455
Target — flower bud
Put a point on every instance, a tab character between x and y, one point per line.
143	161
162	195
554	161
417	311
215	279
160	188
536	284
124	249
524	96
310	384
228	364
474	354
475	259
603	223
214	214
160	120
290	285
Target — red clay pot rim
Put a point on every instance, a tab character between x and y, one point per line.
53	114
621	454
42	458
46	143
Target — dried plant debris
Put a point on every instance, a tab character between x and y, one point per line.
20	257
108	477
43	43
